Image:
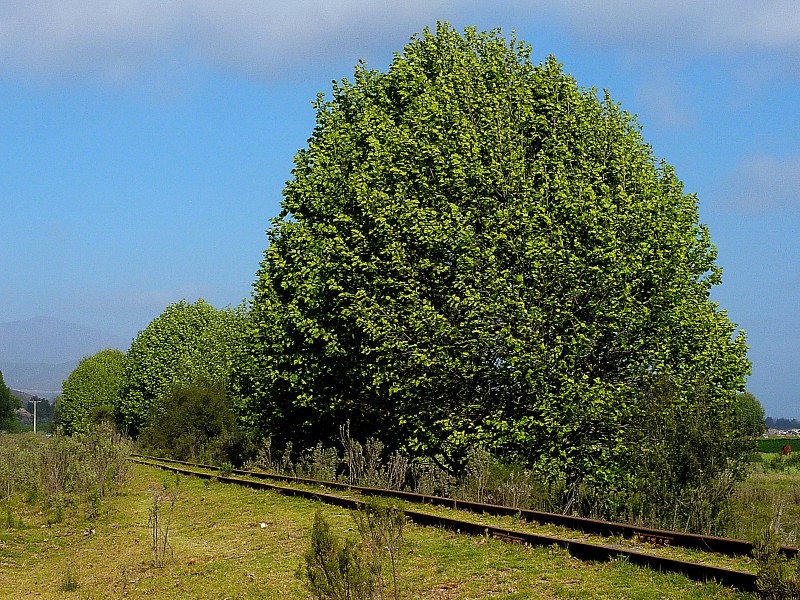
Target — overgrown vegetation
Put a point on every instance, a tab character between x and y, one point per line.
345	569
778	576
485	478
64	472
251	542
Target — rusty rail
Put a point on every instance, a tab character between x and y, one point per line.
706	543
582	550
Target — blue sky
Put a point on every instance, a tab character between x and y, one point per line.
144	144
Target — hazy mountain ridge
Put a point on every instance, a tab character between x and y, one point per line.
37	355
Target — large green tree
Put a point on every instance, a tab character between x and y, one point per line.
187	343
92	390
474	250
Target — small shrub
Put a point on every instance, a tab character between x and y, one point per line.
374	474
319	463
286	465
56	507
778	577
335	569
380	525
159	521
8	519
353	456
264	458
397	471
430	479
478	471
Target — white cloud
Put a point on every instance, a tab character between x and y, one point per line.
708	25
270	37
119	39
764	183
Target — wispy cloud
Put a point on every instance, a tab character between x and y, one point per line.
709	25
270	38
763	184
120	39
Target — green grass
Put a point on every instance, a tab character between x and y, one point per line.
231	542
763	498
776	444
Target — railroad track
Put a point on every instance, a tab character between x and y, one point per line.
584	550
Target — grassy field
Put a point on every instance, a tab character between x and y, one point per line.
764	498
229	542
775	444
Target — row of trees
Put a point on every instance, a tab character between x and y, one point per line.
472	252
781	423
171	380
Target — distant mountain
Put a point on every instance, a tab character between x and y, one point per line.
36	355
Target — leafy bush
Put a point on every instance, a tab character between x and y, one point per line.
199	427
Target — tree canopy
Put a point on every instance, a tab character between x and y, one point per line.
92	388
473	250
187	343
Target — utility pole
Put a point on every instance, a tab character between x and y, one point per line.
34	402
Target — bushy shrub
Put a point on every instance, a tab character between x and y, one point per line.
778	576
350	568
199	426
335	569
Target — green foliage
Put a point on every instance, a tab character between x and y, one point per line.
778	577
92	389
8	404
475	252
199	426
185	344
751	413
348	569
335	569
691	453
